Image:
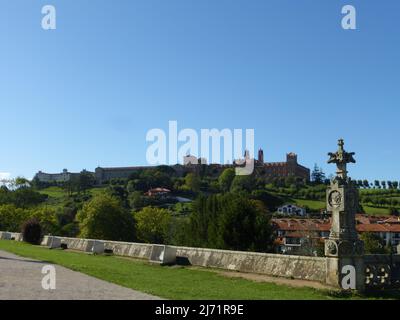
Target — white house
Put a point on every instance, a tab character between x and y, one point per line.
292	210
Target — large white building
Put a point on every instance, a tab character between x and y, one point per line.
63	176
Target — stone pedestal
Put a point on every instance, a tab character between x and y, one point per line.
339	271
163	254
94	246
5	235
54	242
342	203
16	236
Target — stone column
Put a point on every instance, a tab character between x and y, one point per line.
343	249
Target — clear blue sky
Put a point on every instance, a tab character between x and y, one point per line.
86	94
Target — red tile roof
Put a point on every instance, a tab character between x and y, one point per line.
157	191
297	227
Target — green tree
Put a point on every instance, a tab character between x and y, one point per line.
136	200
317	175
152	178
244	224
373	243
204	223
152	224
70	186
22	197
104	217
21	182
192	182
230	221
226	178
382	201
119	192
367	199
179	232
85	181
47	218
243	183
270	201
12	218
131	186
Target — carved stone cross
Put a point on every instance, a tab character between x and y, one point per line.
341	158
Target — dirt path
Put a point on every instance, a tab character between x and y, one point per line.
264	278
21	279
276	280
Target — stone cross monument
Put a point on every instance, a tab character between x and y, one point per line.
343	245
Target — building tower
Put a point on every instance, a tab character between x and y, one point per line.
291	158
261	156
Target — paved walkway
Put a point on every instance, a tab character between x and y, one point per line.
21	279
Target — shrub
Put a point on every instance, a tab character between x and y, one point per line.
153	224
104	217
12	218
32	231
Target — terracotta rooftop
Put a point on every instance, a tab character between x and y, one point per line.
364	224
155	191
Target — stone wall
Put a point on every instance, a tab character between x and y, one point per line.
129	249
308	268
135	250
299	267
72	243
378	271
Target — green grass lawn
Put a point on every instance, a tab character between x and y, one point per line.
59	193
58	196
53	192
312	204
166	282
376	211
318	205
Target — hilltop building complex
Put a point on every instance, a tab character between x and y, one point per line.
267	170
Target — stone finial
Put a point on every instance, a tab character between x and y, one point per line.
341	158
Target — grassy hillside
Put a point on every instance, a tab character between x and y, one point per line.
376	211
57	196
314	205
59	193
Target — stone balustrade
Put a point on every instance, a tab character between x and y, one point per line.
380	269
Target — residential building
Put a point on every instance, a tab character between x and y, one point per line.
292	210
293	234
